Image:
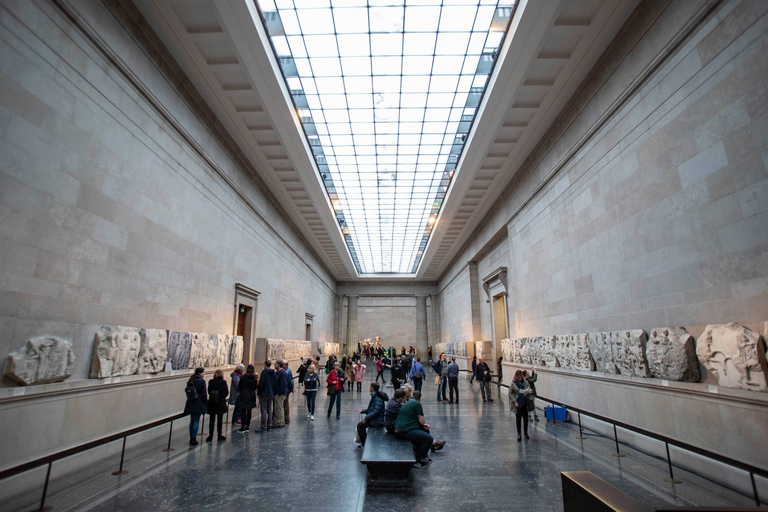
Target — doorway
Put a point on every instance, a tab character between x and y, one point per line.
499	323
244	329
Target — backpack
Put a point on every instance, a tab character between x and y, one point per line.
191	392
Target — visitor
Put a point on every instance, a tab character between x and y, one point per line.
282	383
405	366
374	413
410	425
483	375
359	372
349	374
344	362
474	367
408	390
287	407
392	409
518	401
429	354
197	402
234	396
499	368
417	374
532	396
335	382
247	389
329	364
302	371
311	382
267	396
453	379
395	372
379	370
441	369
217	403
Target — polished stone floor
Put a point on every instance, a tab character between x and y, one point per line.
313	465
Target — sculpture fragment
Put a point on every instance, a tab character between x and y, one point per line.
601	348
629	352
153	350
218	350
198	354
735	355
580	356
40	361
115	351
672	355
236	350
179	348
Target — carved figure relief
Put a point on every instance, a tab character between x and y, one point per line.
115	351
562	349
236	350
629	352
484	349
581	357
733	353
198	354
218	350
179	347
153	350
601	348
288	349
40	361
672	355
506	350
548	347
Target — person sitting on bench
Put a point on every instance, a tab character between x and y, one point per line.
410	425
374	414
392	409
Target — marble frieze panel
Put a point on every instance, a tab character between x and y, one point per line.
198	353
153	351
671	355
629	352
601	348
735	355
236	350
288	349
40	361
115	351
179	348
218	350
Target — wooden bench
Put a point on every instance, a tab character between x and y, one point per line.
389	460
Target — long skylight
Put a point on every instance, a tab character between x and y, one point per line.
386	92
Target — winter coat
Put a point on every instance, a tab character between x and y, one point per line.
201	404
349	373
219	406
374	414
532	383
311	382
235	380
379	365
480	372
474	365
336	379
267	383
282	383
247	388
514	390
391	411
290	379
303	371
359	372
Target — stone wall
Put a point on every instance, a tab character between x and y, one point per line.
111	215
393	319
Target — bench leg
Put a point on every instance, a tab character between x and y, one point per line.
389	476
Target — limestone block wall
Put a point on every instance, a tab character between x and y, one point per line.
496	257
112	214
393	319
455	305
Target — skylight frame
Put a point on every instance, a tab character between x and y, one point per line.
378	161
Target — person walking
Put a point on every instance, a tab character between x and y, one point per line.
395	373
474	367
234	395
335	382
311	382
453	379
267	396
374	413
518	401
532	396
217	403
344	363
418	374
359	372
380	370
282	383
302	371
349	374
441	369
247	389
499	368
392	409
483	375
197	402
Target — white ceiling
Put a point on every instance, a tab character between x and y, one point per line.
222	47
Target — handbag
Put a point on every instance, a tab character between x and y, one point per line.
437	380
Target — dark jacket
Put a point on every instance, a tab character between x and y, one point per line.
391	410
374	414
247	388
480	372
311	382
397	373
267	383
219	406
302	372
201	404
474	365
438	366
290	379
282	383
532	383
235	380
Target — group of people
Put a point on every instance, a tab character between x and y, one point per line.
402	416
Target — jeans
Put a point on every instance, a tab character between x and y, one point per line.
246	423
194	424
335	398
521	415
362	431
219	417
279	411
417	382
359	387
311	397
453	383
266	404
421	440
485	389
472	377
441	387
380	374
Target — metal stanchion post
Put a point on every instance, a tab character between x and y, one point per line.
43	508
754	489
671	478
581	430
202	425
122	458
616	439
554	418
170	434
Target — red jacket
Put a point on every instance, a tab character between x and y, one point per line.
336	380
379	365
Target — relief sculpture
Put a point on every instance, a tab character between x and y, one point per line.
40	361
600	347
179	347
115	351
629	352
672	355
236	350
735	355
153	350
198	354
288	349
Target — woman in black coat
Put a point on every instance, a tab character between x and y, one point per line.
197	402
248	384
217	402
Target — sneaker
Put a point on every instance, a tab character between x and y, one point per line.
490	399
422	464
193	442
535	418
359	447
428	459
308	415
312	417
437	446
247	430
242	431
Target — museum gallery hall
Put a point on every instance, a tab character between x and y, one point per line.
346	255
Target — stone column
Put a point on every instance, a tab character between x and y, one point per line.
421	326
351	344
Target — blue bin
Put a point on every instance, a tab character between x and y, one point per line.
560	413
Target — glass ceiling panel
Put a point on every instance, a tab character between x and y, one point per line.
386	92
